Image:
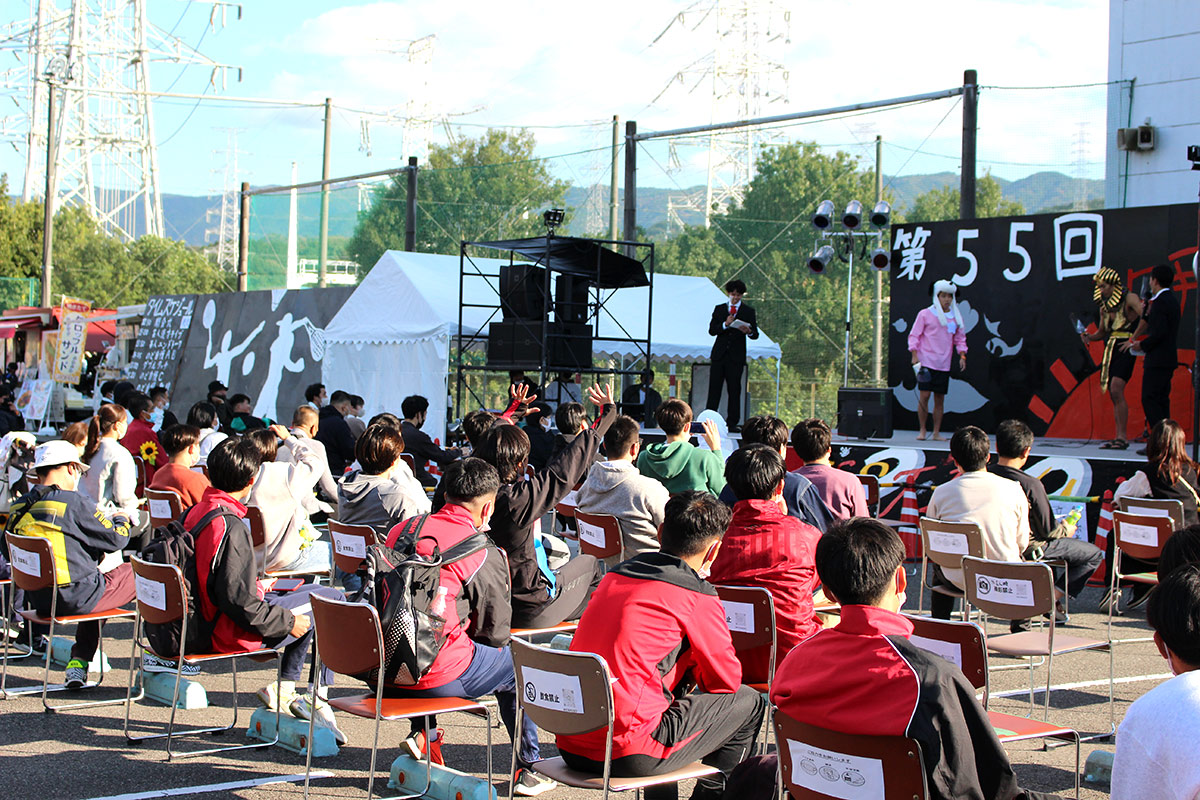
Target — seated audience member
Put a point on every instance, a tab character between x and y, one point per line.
290	542
203	416
616	487
765	547
217	393
182	443
76	433
1183	547
160	415
140	438
415	409
111	478
659	625
371	495
474	661
541	440
1055	542
677	463
1172	474
842	492
997	505
241	420
541	596
1156	754
571	420
865	677
334	433
83	536
476	423
354	419
304	428
241	613
800	495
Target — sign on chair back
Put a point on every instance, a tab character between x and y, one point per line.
599	535
945	544
350	543
1152	507
164	505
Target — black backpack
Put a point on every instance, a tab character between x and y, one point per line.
174	544
402	584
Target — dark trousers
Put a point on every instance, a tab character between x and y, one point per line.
941	606
576	581
727	373
1156	394
295	649
118	591
718	729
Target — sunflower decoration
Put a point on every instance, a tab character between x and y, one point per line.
149	452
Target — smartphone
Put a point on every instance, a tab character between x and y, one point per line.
697	427
287	584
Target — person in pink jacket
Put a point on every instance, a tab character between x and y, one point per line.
936	333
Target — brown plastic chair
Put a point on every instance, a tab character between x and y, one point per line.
962	644
350	543
139	489
591	711
870	485
570	626
903	770
34	565
164	505
161	598
1019	590
1152	507
1138	536
599	535
258	537
945	544
7	594
349	641
750	614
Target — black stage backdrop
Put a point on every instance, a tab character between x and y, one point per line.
1023	281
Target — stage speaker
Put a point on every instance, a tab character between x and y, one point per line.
514	344
865	413
523	292
571	298
570	346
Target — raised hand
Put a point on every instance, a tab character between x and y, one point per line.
601	395
519	392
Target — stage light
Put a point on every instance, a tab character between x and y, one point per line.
881	215
820	259
553	218
852	217
824	216
880	259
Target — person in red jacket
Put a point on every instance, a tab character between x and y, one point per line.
765	547
661	628
140	439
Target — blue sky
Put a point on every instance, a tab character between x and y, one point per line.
571	66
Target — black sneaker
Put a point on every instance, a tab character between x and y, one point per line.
530	784
1138	595
1020	626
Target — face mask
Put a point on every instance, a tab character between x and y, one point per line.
156	418
545	423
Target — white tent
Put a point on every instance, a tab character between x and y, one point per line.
392	337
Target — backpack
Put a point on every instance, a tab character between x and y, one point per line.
174	544
402	585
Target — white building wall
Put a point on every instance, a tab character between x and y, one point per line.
1156	45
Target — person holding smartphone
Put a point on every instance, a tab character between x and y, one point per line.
678	464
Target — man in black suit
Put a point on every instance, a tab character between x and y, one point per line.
642	400
731	323
1161	318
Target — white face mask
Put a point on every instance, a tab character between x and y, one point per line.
545	423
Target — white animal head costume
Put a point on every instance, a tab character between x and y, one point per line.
949	288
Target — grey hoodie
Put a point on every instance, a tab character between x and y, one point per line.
377	501
617	488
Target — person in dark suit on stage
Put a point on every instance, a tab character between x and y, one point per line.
1161	320
642	400
732	323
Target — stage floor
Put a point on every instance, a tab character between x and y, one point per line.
1042	447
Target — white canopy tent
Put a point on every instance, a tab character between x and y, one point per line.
392	338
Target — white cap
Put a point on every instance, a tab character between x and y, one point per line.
56	453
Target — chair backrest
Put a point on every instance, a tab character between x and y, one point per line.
529	471
599	534
960	643
408	459
350	543
820	763
32	560
870	485
140	465
349	639
946	543
202	469
1008	589
750	615
160	594
1151	507
569	503
562	692
1141	536
164	505
258	531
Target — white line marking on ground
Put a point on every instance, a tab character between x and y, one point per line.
213	787
1082	685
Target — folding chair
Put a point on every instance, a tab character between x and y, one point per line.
1019	590
349	641
575	712
962	644
34	567
8	592
1138	536
161	598
350	543
750	614
870	485
1151	507
945	543
570	626
258	538
165	505
139	489
599	535
888	767
408	459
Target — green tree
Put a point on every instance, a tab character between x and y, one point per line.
941	204
472	189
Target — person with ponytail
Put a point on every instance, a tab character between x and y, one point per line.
111	478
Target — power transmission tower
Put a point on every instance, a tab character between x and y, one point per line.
99	53
227	211
743	79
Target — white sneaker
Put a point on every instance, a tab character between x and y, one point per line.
152	663
268	698
301	708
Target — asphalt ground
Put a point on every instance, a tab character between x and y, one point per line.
83	754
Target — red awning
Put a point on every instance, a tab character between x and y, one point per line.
7	330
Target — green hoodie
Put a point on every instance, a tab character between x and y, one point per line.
681	467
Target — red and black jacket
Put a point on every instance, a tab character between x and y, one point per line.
865	677
652	619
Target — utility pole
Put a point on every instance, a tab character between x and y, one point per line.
630	232
410	210
970	95
243	261
48	210
324	255
613	188
877	350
